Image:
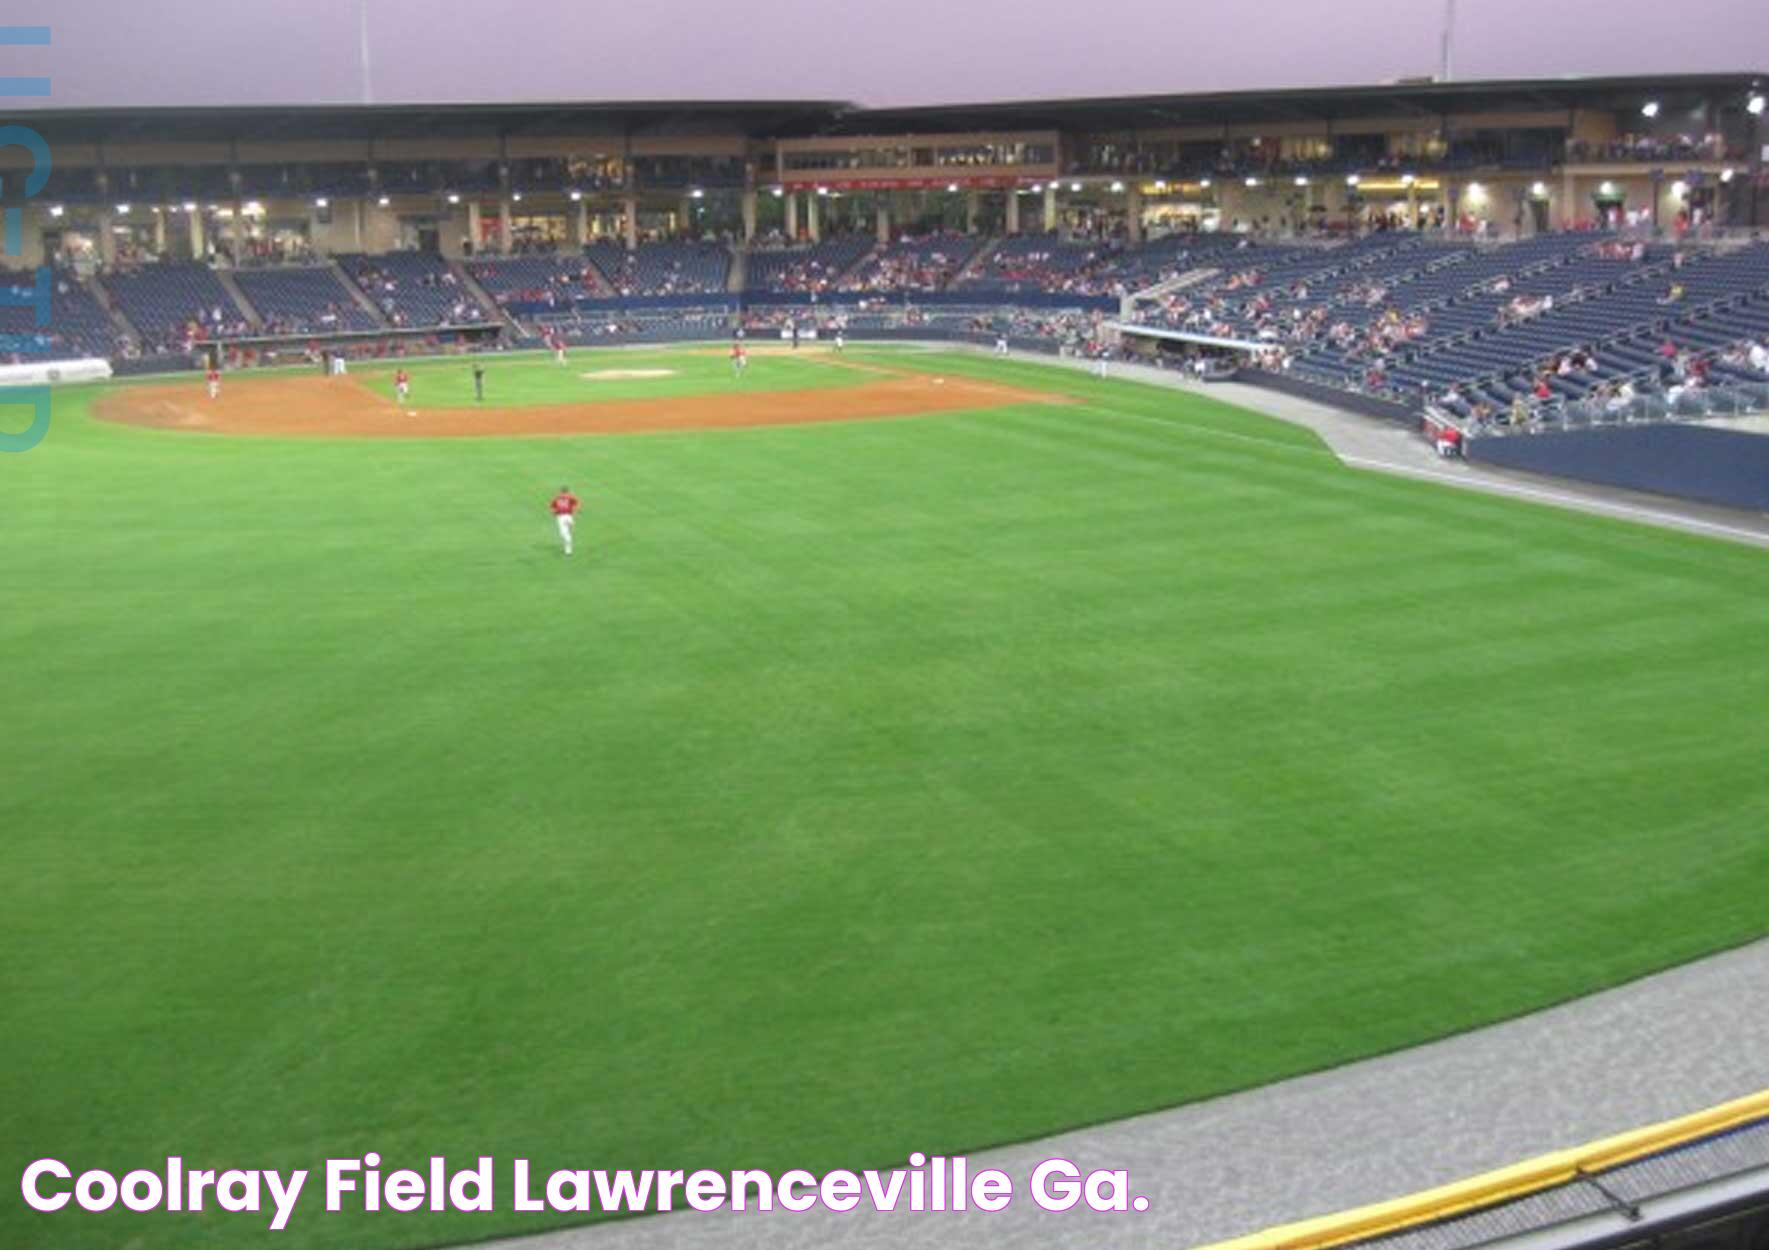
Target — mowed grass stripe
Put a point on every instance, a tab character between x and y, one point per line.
864	788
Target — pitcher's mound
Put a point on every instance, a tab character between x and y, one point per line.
623	375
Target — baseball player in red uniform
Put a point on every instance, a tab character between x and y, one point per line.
739	359
564	508
402	386
558	345
214	382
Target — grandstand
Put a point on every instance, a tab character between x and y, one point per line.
303	301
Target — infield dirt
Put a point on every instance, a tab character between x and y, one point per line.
342	407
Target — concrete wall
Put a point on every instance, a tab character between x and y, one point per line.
1685	461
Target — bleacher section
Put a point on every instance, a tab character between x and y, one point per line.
805	270
172	305
655	269
554	280
78	326
302	301
924	264
413	289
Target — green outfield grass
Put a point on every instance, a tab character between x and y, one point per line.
522	380
859	788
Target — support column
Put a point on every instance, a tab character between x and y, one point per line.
475	218
160	230
973	205
1133	213
1568	204
630	225
749	216
1013	211
1049	207
792	216
813	225
580	224
883	214
197	240
506	227
107	238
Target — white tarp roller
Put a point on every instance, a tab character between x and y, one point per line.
54	372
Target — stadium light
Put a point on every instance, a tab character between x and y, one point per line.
697	194
1075	187
1607	188
319	202
1037	187
1726	174
779	192
1679	189
1161	185
123	210
822	190
1301	181
56	210
516	198
189	207
1252	182
453	198
1754	106
254	208
1649	109
383	201
1203	183
1539	190
1407	180
1351	180
576	196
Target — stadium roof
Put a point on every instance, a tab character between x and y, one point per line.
1314	104
784	118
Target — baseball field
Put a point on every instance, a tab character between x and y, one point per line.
920	752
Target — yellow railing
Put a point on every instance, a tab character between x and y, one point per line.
1504	1185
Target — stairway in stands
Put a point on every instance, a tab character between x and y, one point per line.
254	318
358	294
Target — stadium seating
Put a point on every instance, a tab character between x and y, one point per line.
545	279
925	263
172	304
78	326
807	270
413	288
302	301
663	268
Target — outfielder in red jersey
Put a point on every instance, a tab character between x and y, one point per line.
564	508
557	343
214	382
739	359
402	386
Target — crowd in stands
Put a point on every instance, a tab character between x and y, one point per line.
301	301
914	263
413	289
554	279
812	270
657	269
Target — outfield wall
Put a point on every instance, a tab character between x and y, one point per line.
1697	462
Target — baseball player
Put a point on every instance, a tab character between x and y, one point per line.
478	381
1001	344
214	382
564	508
841	341
559	349
739	359
402	387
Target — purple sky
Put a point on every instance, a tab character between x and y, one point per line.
877	52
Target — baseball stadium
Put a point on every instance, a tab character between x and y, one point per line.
1204	647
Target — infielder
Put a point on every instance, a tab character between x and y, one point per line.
739	359
214	382
402	387
564	508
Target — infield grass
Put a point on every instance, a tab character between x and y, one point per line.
859	788
525	379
